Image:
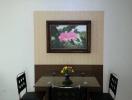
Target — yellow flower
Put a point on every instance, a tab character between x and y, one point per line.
67	69
62	72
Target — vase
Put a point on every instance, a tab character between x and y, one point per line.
67	81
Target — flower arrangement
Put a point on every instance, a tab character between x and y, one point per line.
66	70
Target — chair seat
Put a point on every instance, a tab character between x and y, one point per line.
31	96
112	89
22	89
103	96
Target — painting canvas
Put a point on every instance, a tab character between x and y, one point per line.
68	36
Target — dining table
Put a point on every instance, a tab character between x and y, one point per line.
89	82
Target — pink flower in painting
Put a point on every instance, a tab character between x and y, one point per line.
67	36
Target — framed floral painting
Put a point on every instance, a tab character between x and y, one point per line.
68	36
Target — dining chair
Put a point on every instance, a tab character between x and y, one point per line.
65	93
22	89
113	82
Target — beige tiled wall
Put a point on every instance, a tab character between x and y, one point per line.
96	55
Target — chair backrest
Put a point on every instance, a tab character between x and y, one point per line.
21	82
65	93
113	83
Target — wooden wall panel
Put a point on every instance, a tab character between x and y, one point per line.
89	70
